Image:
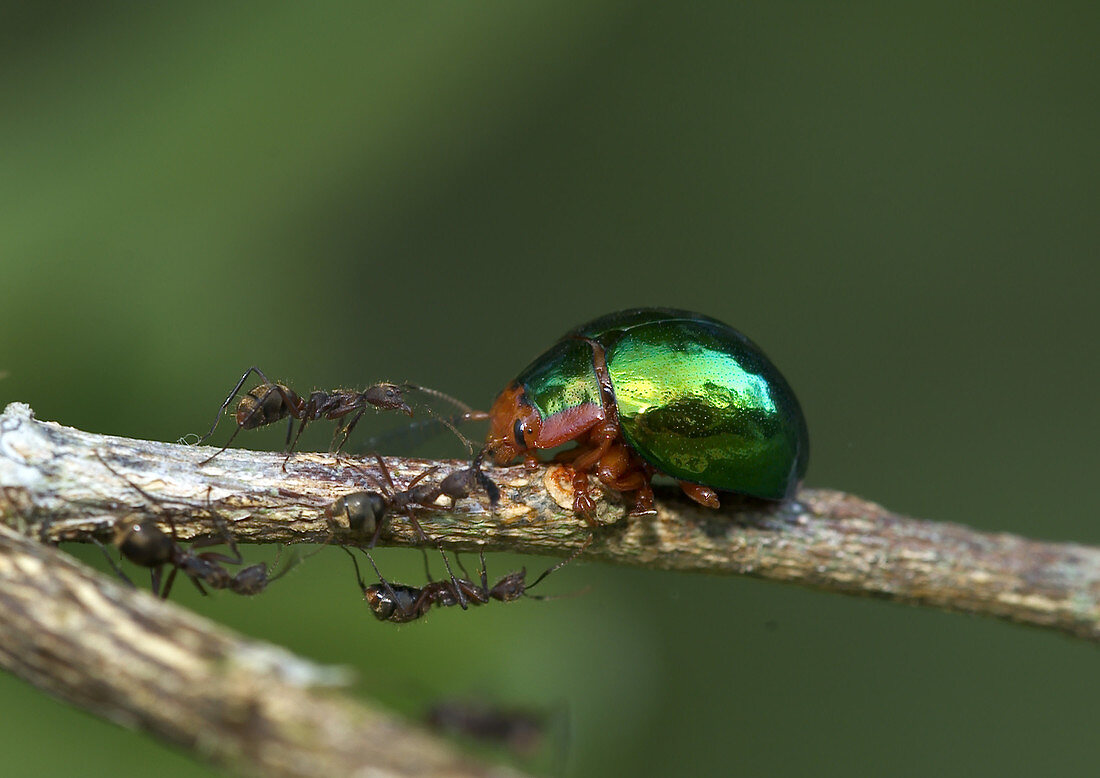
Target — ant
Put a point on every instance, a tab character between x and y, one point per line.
400	603
366	512
270	402
520	730
147	545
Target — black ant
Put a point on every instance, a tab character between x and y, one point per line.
366	512
520	730
400	603
271	402
147	545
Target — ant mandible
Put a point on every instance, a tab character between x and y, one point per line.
271	401
400	603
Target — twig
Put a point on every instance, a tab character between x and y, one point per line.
824	539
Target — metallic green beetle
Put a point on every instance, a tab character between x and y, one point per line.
657	390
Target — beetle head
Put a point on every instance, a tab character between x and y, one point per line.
514	425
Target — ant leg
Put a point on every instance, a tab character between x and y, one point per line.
197	585
229	399
177	554
113	564
421	476
459	592
155	575
213	540
290	449
385	471
358	575
383	581
376	535
421	536
346	429
427	569
462	567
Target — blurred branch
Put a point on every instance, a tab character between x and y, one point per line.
150	665
824	539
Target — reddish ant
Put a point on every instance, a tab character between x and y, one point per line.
400	603
147	545
271	402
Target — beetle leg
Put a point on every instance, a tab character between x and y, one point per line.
601	439
703	495
623	471
583	504
615	466
643	501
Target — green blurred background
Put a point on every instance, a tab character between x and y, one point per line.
898	204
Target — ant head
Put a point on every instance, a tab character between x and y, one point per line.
391	602
380	602
511	587
458	483
387	397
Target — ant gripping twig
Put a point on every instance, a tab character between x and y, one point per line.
145	544
367	512
270	402
400	603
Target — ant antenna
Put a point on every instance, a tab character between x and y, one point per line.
467	411
559	565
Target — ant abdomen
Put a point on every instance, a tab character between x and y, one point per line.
265	404
363	510
144	544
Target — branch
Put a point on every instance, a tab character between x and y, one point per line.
148	664
824	539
